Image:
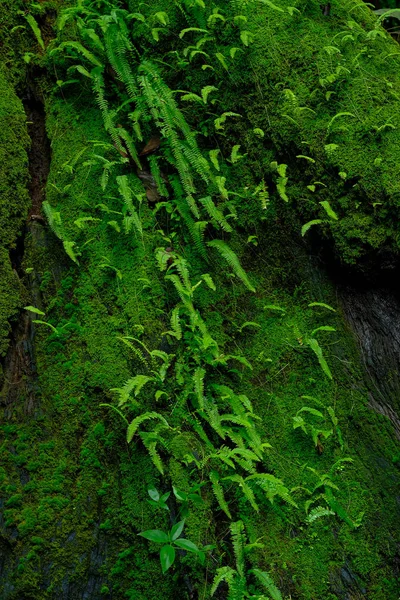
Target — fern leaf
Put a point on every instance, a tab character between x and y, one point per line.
36	29
213	157
215	214
238	542
208	279
266	580
199	385
135	424
69	249
228	254
219	493
318	512
272	487
328	209
316	348
307	226
81	50
222	574
150	443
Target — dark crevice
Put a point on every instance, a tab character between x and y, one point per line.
20	374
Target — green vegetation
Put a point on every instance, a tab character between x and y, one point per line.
187	352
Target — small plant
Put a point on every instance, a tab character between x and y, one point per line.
237	578
172	540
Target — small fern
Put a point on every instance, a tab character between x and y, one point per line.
228	254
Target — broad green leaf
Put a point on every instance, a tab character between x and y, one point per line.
177	530
153	493
155	535
187	545
167	557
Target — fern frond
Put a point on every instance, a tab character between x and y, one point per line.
219	493
80	49
199	375
216	215
238	542
272	487
222	574
135	385
54	220
266	580
135	424
229	255
246	489
150	440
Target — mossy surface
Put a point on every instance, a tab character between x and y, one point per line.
14	200
73	492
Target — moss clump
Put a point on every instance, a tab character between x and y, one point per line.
14	200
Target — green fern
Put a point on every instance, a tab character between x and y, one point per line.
216	215
228	254
135	424
219	493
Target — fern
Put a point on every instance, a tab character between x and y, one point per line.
219	493
135	385
199	385
135	424
223	574
215	214
150	440
35	28
266	580
272	487
54	220
228	254
316	348
246	489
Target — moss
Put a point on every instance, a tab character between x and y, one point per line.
15	201
76	494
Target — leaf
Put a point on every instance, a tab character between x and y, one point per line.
312	411
307	226
228	254
34	310
266	580
187	545
35	28
222	60
323	305
213	157
69	249
155	535
305	157
330	212
318	512
316	348
206	91
167	557
45	323
208	280
339	115
271	5
177	530
153	493
274	307
134	425
190	29
322	328
246	37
